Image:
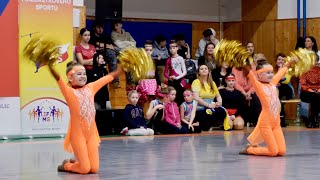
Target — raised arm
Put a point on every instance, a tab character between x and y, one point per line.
279	75
96	85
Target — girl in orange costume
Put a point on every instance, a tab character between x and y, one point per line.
268	128
82	137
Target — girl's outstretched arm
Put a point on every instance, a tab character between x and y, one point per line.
54	73
98	84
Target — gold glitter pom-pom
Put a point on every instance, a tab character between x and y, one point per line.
42	50
231	52
137	62
306	59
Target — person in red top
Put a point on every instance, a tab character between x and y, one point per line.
84	53
310	93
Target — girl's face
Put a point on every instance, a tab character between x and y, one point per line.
308	43
133	99
188	96
86	36
79	78
210	49
230	83
203	70
280	61
250	48
172	95
266	76
148	49
100	59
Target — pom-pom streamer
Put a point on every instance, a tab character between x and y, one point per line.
137	62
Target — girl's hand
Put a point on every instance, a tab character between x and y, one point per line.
191	127
218	104
159	106
212	105
232	117
196	124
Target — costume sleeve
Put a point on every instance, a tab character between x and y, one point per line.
64	88
279	75
166	69
253	80
96	85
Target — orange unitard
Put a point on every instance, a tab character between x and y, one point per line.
268	128
82	137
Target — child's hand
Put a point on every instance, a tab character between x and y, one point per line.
195	124
292	62
178	125
232	117
191	127
159	106
218	104
212	105
141	127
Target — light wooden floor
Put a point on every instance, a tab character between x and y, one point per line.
210	155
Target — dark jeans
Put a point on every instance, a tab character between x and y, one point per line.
250	111
207	121
171	129
314	100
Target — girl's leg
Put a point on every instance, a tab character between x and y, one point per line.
137	132
204	120
93	151
278	135
82	165
270	140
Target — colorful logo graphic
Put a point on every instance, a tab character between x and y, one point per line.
46	110
3	5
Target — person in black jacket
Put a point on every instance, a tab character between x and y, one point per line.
135	122
99	70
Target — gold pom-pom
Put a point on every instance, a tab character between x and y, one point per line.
306	59
231	52
42	50
137	62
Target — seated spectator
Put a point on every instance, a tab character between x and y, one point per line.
84	53
120	37
310	93
205	93
160	54
154	115
104	44
172	116
219	75
134	119
209	35
233	101
188	112
183	47
122	40
208	57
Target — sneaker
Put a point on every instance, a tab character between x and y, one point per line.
124	131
